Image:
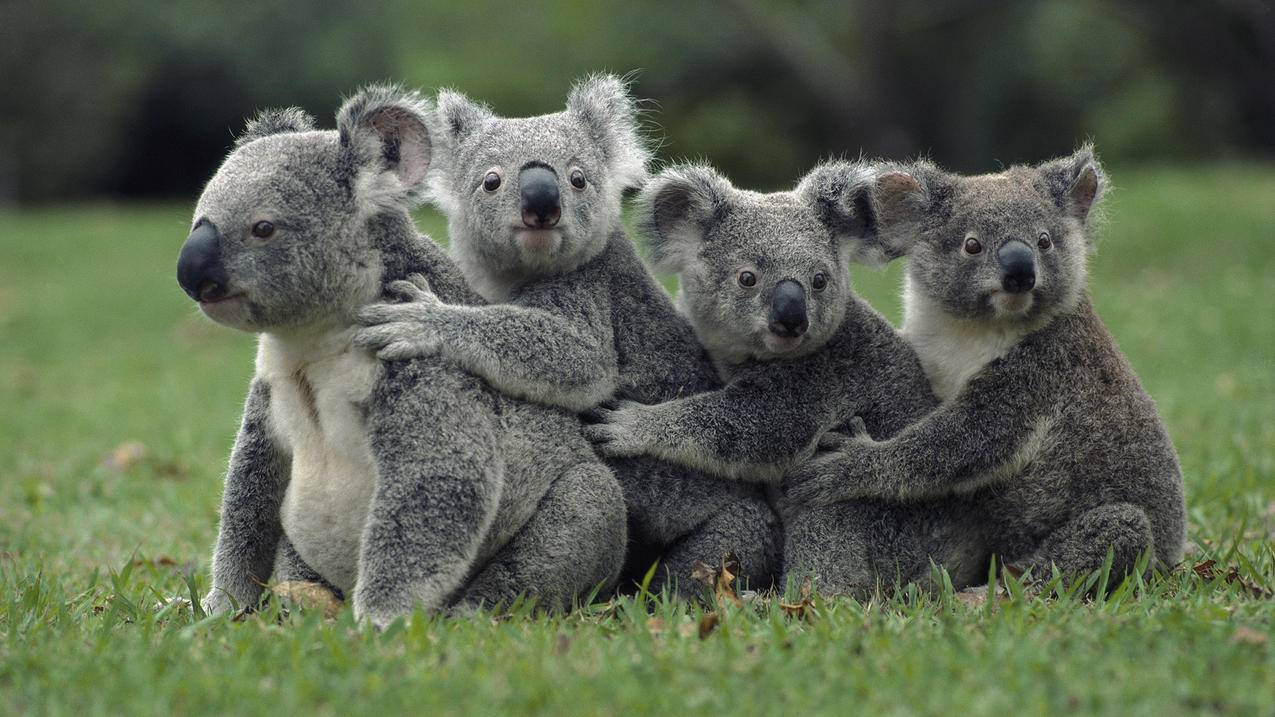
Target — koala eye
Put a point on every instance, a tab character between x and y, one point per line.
1043	241
747	279
973	246
577	178
263	229
491	182
819	283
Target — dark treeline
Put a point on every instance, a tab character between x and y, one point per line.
141	99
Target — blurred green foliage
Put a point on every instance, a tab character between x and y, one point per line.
130	98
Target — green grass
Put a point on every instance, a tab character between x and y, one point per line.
98	348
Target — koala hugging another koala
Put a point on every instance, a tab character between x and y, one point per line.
534	216
764	280
1043	421
403	485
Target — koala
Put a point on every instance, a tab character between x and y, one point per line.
764	281
406	485
1041	414
534	215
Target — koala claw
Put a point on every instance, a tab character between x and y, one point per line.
611	428
415	288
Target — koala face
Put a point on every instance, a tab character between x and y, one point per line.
1008	247
763	276
541	194
280	237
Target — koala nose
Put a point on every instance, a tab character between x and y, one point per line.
1018	266
541	203
788	310
199	269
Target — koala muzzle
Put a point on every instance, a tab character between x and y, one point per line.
1018	266
199	269
541	202
788	317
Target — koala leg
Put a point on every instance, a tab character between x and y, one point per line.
747	528
856	547
1080	546
573	543
289	567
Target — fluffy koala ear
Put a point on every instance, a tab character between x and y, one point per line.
841	194
675	210
458	116
385	130
604	104
1075	183
268	122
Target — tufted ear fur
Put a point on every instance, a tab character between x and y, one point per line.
841	194
384	128
458	116
901	197
268	122
675	210
1075	183
603	103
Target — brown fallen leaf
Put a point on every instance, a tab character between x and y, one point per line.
720	579
163	561
973	597
804	605
308	596
124	456
708	623
655	626
1248	636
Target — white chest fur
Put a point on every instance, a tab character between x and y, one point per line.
319	386
951	350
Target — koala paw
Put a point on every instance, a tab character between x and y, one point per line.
403	330
614	429
216	601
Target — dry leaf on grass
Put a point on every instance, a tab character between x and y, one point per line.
1248	636
708	623
1208	570
308	596
655	626
720	579
804	605
124	456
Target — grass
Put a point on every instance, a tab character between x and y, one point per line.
118	406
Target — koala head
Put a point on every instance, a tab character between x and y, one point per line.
281	237
1008	247
541	194
762	276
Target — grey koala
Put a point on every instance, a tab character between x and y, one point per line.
534	210
405	485
764	281
1040	409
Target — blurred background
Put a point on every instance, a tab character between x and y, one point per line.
128	99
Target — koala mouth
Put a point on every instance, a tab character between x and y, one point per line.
782	344
538	240
1012	305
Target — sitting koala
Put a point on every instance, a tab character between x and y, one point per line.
765	283
406	485
534	212
1040	409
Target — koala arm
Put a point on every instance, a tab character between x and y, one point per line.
554	347
437	492
250	527
989	432
743	430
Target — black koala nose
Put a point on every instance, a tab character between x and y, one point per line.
199	269
788	316
541	202
1018	266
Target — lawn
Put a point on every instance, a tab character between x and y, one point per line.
118	405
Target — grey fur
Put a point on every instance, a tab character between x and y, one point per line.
405	485
1042	414
780	400
583	319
